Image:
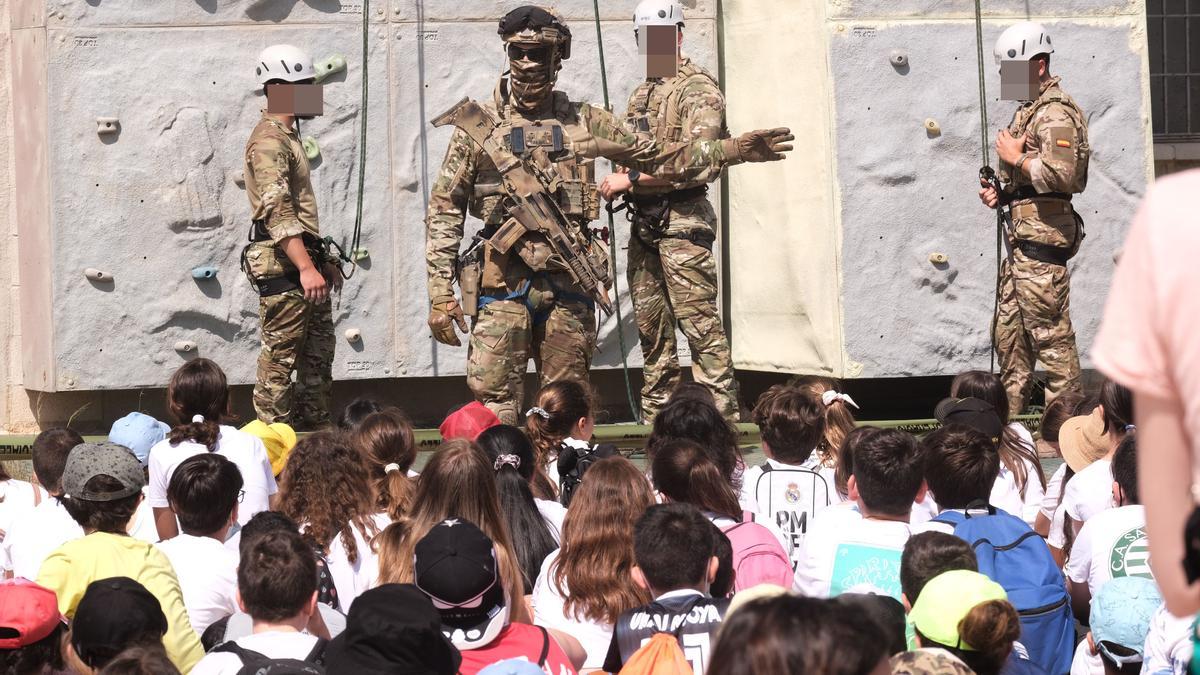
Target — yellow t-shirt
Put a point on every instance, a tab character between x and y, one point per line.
100	555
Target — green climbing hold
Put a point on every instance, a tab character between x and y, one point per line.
311	149
331	65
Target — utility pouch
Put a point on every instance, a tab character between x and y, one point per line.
268	269
470	269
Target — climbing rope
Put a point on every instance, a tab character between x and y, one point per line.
356	237
987	173
612	237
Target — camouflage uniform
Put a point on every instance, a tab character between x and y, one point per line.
928	662
297	335
672	273
1033	321
523	314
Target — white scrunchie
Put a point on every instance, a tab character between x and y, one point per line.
511	460
540	412
388	468
197	419
830	396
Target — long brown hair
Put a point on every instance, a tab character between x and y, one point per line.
990	628
684	472
593	567
324	488
386	439
458	482
198	387
839	420
1014	452
556	410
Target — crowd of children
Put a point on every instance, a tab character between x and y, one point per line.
851	550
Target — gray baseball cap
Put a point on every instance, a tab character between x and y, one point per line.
88	460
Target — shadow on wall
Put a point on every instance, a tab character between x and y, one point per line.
277	10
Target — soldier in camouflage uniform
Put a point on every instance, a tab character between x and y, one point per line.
291	273
672	271
1044	157
521	313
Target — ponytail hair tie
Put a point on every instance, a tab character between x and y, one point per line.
197	419
510	460
388	468
540	412
829	397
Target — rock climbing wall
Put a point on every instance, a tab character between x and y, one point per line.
883	259
908	156
130	124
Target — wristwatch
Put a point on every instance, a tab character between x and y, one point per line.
634	175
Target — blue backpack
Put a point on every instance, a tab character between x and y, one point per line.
1014	556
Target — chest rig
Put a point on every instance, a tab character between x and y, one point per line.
569	177
1027	116
654	107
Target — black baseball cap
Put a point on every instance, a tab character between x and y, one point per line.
393	628
455	567
970	412
114	614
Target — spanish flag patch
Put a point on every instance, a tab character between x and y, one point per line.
1063	143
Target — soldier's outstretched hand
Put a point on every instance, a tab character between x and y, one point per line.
764	145
443	317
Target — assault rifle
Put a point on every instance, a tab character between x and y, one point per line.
531	208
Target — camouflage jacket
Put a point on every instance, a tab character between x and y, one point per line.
1057	146
686	107
469	182
278	182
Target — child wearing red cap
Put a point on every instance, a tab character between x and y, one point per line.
31	628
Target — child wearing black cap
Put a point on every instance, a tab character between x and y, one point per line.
114	615
102	487
456	568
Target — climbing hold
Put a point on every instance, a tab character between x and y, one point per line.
185	346
353	335
239	179
933	128
206	272
331	65
107	125
939	258
97	275
311	149
359	254
898	58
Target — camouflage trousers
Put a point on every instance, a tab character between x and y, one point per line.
1033	323
675	287
556	328
297	336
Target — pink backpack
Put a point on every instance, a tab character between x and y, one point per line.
757	556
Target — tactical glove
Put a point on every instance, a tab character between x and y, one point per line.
762	145
442	318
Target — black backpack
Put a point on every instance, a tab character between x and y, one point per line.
255	663
573	462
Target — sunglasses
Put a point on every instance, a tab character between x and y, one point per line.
538	54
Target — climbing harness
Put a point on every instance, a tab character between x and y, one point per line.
612	239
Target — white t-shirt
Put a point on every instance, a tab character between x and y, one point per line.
1111	544
554	514
1090	491
1058	533
207	574
243	449
548	611
846	553
1053	494
1007	495
17	500
788	497
352	579
142	525
34	538
1168	644
271	644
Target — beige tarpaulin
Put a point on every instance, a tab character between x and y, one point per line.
784	232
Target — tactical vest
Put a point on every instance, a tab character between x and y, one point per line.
570	177
654	110
1026	116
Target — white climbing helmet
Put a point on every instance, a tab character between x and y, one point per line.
284	62
1022	42
658	13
